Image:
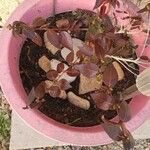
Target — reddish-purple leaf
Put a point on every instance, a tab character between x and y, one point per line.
32	35
121	42
124	111
31	97
72	72
54	91
37	40
20	28
131	8
110	35
128	142
39	21
113	129
89	70
70	57
118	3
108	23
144	58
53	38
52	74
114	3
98	3
99	51
102	10
102	100
60	67
110	76
86	50
76	25
64	84
136	23
102	44
66	40
40	90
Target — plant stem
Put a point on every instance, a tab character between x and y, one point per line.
126	67
130	66
128	60
130	92
54	7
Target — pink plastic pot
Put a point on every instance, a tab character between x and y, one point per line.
15	93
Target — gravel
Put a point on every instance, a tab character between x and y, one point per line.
140	145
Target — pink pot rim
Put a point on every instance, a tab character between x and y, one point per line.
71	135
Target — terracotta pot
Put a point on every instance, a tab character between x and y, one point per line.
13	89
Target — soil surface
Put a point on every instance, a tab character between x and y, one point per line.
56	108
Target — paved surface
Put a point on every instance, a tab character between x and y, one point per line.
29	138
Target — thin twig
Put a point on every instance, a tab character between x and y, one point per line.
54	7
128	60
126	67
130	66
76	120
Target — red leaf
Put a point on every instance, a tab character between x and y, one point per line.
53	38
113	129
60	67
64	84
86	50
52	74
70	57
72	72
39	21
98	3
66	40
54	91
89	70
124	111
32	35
110	76
31	97
40	90
102	100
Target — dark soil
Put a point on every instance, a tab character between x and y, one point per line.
56	108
